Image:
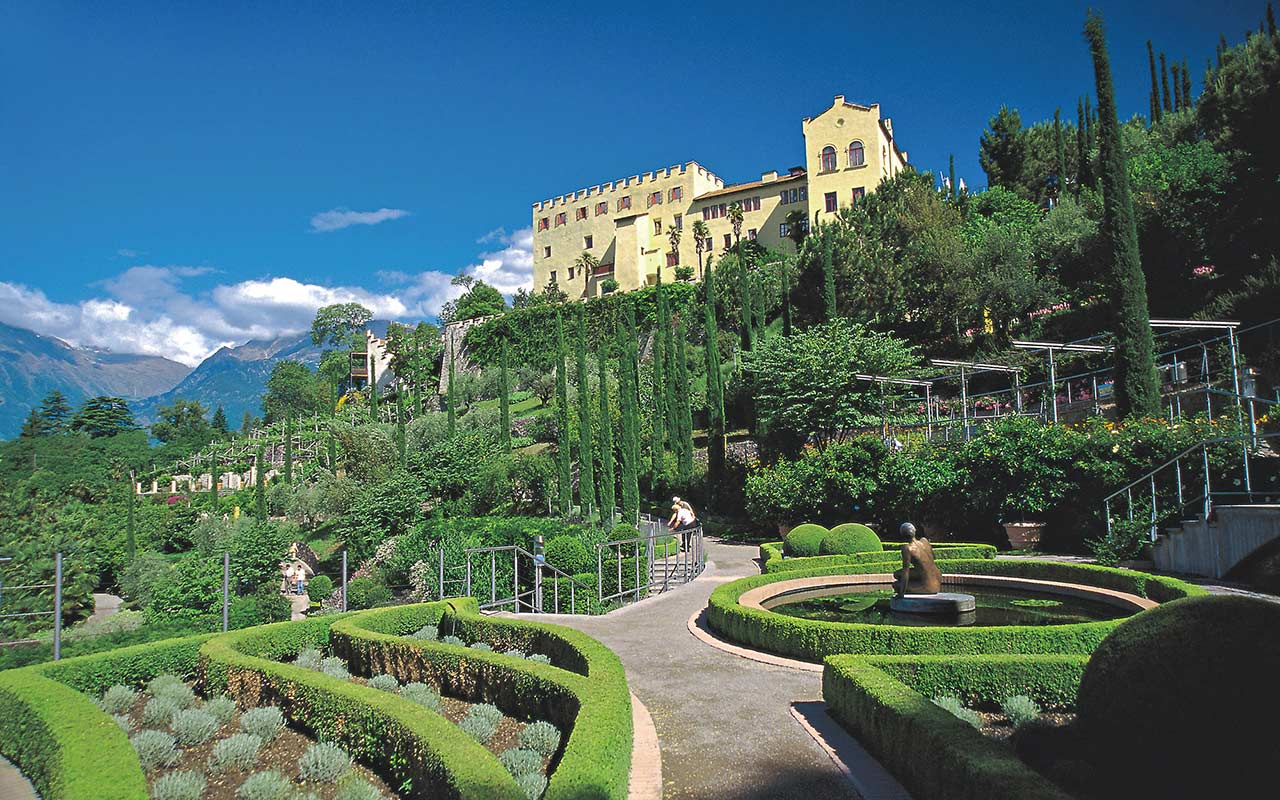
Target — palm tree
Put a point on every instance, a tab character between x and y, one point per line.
735	219
797	228
700	236
587	263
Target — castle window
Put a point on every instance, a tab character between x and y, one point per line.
581	213
858	194
546	253
624	203
655	198
562	218
857	156
587	242
830	198
804	193
602	207
673	259
657	226
783	230
676	193
828	159
679	222
728	241
751	234
544	223
570	273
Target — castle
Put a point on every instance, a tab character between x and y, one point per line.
625	225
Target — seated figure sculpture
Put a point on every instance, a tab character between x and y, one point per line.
919	573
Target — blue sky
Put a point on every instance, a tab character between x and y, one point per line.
179	175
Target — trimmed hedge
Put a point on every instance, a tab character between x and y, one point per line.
416	747
771	556
813	640
848	539
934	754
583	692
804	540
1051	680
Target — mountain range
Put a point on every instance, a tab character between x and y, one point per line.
31	365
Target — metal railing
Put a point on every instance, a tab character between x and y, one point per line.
659	573
1185	481
532	597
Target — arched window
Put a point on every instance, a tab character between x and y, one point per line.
857	156
828	159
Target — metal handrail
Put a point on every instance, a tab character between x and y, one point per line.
516	594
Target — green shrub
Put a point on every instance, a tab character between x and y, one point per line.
541	737
236	752
1020	709
154	749
264	606
159	711
309	658
356	789
164	682
1184	684
569	554
269	785
954	707
320	587
367	593
804	540
533	784
183	785
324	761
222	708
193	726
124	722
384	683
335	667
540	658
515	652
182	695
428	633
453	640
118	699
484	647
265	723
479	724
850	538
421	694
519	761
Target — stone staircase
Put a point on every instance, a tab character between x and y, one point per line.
1214	547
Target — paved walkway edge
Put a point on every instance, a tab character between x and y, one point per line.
646	757
871	780
699	628
13	784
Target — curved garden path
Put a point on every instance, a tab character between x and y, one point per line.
724	723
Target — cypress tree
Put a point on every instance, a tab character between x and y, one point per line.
1271	20
658	424
1137	390
401	446
1177	87
1186	85
684	410
333	454
451	397
951	177
715	393
288	449
1059	149
761	315
1166	102
373	389
1155	84
1082	151
627	404
1091	129
504	395
786	293
828	277
670	377
130	530
213	493
260	485
586	469
563	448
605	482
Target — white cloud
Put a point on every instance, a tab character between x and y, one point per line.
338	218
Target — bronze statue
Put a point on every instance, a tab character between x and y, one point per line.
917	553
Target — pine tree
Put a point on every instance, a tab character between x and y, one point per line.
373	390
451	397
1137	390
627	405
260	485
1166	102
219	422
786	293
1186	85
684	410
56	412
606	479
401	444
504	395
828	277
586	467
658	421
288	449
1155	84
130	530
715	393
564	454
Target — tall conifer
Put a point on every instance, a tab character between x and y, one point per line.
288	449
627	405
658	424
1059	150
260	485
1155	84
586	467
715	393
1137	390
1166	101
951	177
451	396
563	447
130	531
1186	85
828	277
684	410
606	478
505	395
373	388
401	445
1082	150
786	294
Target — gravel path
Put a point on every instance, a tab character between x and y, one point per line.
724	723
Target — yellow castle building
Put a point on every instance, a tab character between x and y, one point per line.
624	225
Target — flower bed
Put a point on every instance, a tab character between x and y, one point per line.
813	640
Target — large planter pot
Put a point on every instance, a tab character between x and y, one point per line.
1024	535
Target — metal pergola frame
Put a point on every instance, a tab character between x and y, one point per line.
1062	347
979	366
928	395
